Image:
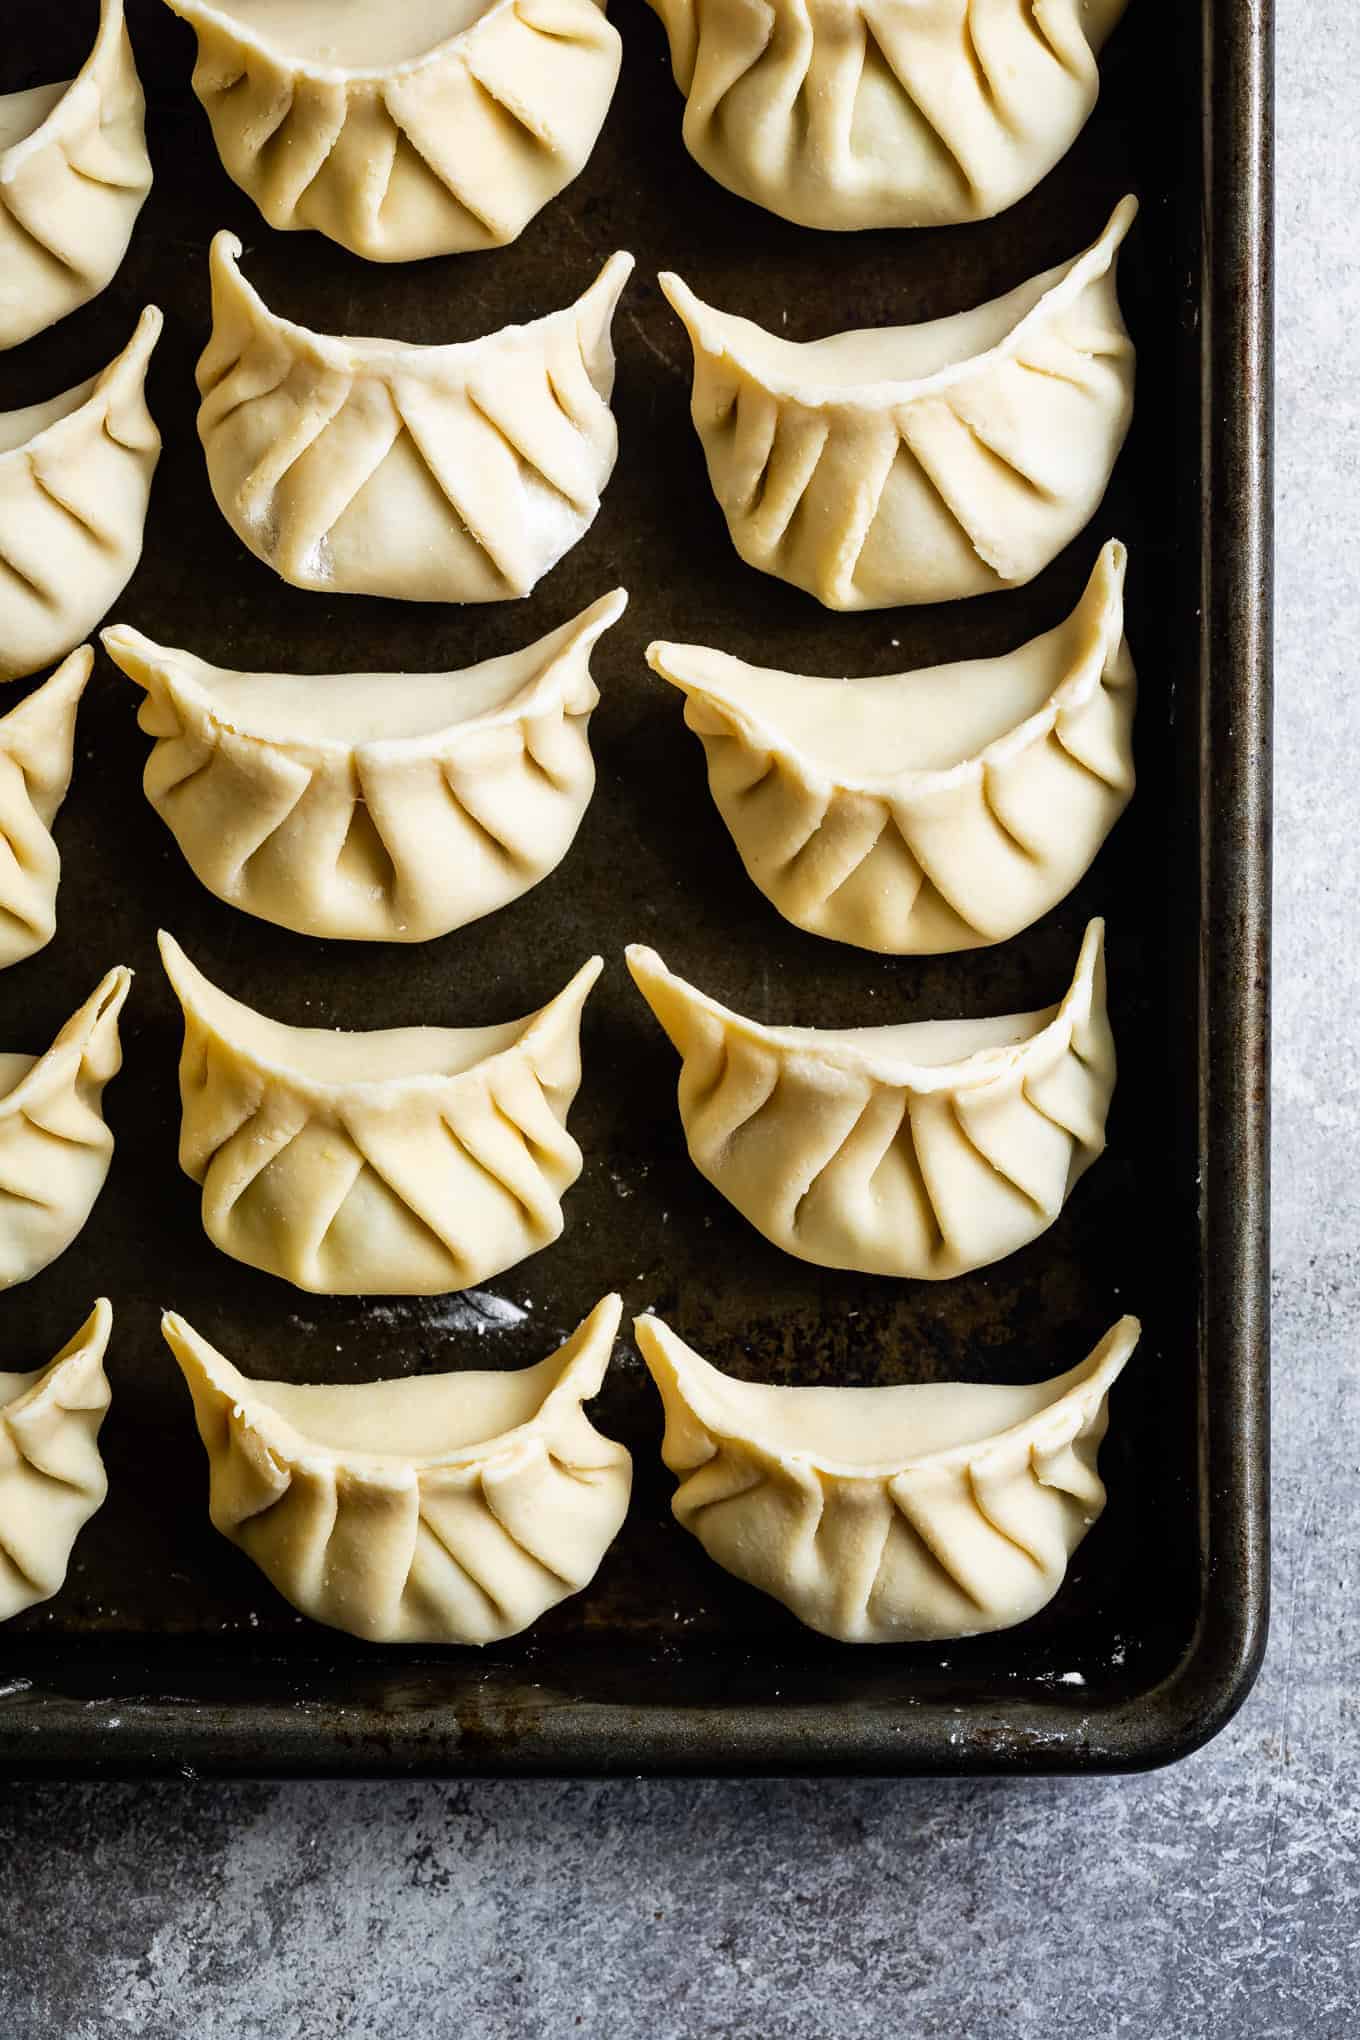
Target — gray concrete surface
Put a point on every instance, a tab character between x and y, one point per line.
1221	1898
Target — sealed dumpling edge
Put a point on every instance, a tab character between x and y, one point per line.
405	132
52	1476
385	807
37	749
921	1150
443	1509
903	1514
928	811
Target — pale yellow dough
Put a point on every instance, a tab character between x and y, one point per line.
422	128
885	113
923	463
406	1161
918	1150
55	1146
383	807
37	743
444	1508
75	482
430	474
889	1515
926	811
74	173
51	1474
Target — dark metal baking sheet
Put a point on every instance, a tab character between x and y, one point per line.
166	1649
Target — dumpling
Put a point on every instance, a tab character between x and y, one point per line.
892	115
55	1146
37	744
919	1150
51	1474
442	1508
925	811
75	481
889	1515
74	173
404	131
406	1161
384	807
431	474
918	463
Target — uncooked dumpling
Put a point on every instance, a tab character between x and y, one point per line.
918	463
889	1515
55	1145
402	1162
74	173
906	113
404	131
385	807
51	1474
432	474
75	481
919	1150
37	741
925	811
443	1508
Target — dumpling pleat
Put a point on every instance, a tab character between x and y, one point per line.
36	752
52	1477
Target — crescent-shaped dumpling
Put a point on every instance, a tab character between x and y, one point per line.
918	463
55	1145
928	811
75	481
410	130
443	1508
407	1161
889	1515
431	474
51	1474
382	807
37	746
919	1150
74	173
906	113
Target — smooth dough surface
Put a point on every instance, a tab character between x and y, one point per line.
430	474
404	1161
387	807
924	463
55	1146
75	482
845	114
920	1150
446	1508
929	811
889	1515
51	1474
74	174
410	130
37	746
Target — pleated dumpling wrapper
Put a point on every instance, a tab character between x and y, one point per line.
922	463
443	1508
37	749
889	1515
74	173
919	1150
380	807
926	114
75	482
409	130
407	1161
55	1144
928	811
51	1474
430	474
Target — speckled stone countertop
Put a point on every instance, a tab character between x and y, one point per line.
1220	1898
